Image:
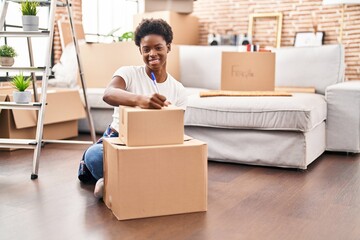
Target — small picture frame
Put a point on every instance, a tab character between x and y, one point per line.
275	16
305	39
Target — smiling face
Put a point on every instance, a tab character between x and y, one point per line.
154	50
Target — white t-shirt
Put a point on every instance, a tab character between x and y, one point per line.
138	82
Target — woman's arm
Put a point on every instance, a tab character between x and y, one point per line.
115	95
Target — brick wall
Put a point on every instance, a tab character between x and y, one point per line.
62	13
232	16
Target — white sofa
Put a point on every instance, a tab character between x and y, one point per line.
273	131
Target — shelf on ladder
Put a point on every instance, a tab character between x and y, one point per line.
23	106
18	143
28	69
42	3
24	34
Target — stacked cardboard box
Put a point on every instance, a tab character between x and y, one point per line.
180	6
185	27
151	170
175	12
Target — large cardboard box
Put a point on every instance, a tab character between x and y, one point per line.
64	108
185	27
155	180
98	72
180	6
248	71
147	127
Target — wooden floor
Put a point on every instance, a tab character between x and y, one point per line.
245	202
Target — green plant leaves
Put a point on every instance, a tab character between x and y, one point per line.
20	83
7	51
127	36
29	7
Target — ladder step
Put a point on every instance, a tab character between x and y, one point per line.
29	69
69	141
41	2
45	33
20	26
24	106
17	143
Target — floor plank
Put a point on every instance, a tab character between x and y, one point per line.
245	202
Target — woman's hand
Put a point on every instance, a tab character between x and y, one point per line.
156	101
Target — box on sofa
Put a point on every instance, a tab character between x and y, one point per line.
248	71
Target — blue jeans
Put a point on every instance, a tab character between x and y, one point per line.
93	157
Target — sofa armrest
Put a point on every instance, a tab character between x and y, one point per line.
343	117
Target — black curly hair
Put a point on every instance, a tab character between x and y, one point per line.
153	26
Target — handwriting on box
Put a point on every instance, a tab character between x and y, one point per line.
237	72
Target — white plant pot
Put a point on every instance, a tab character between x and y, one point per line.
22	97
6	61
30	23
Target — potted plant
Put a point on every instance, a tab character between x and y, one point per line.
29	19
20	83
7	55
127	36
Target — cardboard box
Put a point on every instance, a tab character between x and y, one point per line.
180	6
248	71
148	127
64	108
98	72
65	32
185	27
155	181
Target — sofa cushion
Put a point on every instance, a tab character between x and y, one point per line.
200	66
317	67
301	112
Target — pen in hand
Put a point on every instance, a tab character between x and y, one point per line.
153	78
